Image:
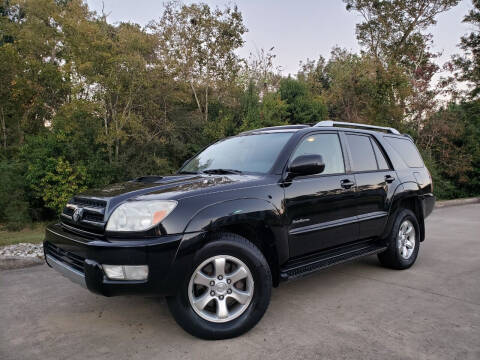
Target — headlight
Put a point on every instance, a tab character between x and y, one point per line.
139	215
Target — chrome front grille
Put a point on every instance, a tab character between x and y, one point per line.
84	214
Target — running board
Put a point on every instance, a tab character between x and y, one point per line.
308	264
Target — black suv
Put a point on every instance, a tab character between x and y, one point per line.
245	214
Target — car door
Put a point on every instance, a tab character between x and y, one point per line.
376	181
320	208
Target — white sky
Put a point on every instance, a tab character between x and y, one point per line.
297	29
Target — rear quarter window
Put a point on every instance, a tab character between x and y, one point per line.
407	151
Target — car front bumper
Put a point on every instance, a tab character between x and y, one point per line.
80	259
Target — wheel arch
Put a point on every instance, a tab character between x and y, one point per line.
257	220
406	196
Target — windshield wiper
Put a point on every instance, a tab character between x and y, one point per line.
221	171
188	172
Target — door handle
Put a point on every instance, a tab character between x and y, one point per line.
389	178
347	183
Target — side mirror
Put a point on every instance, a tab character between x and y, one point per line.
307	165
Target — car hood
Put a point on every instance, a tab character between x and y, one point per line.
172	187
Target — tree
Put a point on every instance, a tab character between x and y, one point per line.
313	74
33	85
393	32
260	70
467	67
270	110
198	45
302	106
113	70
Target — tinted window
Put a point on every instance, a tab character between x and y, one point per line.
382	162
407	150
327	145
361	149
249	153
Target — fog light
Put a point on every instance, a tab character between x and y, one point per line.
126	272
114	272
136	272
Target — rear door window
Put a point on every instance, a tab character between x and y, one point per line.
407	150
361	149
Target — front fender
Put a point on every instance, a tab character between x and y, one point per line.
233	212
259	213
214	217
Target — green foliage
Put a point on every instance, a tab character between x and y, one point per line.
302	106
273	110
393	30
443	188
221	126
59	185
13	205
468	65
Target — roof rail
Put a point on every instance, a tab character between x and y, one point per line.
273	128
341	123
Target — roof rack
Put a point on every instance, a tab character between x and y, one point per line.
275	128
331	123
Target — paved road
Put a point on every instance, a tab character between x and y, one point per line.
352	311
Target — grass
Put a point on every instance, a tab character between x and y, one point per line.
34	234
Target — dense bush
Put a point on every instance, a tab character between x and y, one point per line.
13	203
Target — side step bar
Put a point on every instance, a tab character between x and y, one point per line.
308	264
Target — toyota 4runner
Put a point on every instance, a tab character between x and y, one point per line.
245	214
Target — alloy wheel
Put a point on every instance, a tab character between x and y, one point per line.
221	288
406	239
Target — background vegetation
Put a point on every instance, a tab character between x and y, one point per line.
84	103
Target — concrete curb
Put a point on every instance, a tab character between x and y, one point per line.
18	262
457	202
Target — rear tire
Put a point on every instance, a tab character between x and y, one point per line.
403	242
227	289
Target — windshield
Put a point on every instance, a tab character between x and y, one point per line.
250	153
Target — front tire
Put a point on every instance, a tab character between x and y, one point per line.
227	290
403	242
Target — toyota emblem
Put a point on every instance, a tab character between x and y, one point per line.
77	214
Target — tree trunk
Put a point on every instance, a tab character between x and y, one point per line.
106	136
196	97
115	120
165	112
4	132
206	104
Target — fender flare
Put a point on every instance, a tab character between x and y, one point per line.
404	191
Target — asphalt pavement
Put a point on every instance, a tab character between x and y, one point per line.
355	311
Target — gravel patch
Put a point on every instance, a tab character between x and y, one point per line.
22	250
20	256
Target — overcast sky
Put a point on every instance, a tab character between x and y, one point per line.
297	29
